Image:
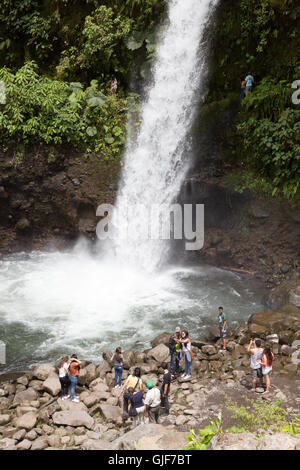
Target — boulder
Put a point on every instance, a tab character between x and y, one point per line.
278	441
111	414
24	445
151	437
209	349
27	421
91	373
163	338
7	442
23	380
286	293
160	353
82	376
26	396
39	444
42	371
73	418
103	369
19	435
241	441
52	385
4	419
93	444
129	359
68	405
274	322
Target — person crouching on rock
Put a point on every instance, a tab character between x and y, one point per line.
74	368
133	381
137	407
64	377
152	403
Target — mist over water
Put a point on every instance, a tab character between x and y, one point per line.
82	302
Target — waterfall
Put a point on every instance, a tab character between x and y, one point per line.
156	164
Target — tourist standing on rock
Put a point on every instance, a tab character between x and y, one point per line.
186	353
74	368
133	381
152	403
175	349
256	352
64	377
118	361
165	388
222	326
266	362
137	409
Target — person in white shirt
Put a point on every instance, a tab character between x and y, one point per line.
152	403
64	376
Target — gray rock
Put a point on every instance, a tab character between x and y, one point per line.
19	435
111	413
39	444
209	349
24	445
163	338
42	371
7	442
22	380
160	353
27	421
278	441
73	418
4	419
151	437
26	396
103	369
52	384
31	435
92	444
241	441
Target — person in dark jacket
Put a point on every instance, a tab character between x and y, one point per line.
175	347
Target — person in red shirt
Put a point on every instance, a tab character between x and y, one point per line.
74	368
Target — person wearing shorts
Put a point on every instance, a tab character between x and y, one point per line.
256	352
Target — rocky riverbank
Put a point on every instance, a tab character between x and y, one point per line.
34	417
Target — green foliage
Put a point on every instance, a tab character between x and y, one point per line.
47	111
207	433
260	414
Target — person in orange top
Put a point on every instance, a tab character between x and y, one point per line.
74	368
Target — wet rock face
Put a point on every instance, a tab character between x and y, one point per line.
57	201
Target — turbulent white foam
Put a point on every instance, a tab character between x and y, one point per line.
155	165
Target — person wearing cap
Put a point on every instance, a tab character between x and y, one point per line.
152	403
175	349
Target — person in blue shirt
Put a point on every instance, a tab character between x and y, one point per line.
249	83
223	326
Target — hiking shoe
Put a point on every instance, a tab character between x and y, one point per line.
75	400
183	375
187	377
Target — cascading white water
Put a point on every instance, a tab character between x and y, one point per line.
60	303
155	166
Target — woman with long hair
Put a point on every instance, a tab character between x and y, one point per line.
266	362
133	381
64	377
118	361
186	353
